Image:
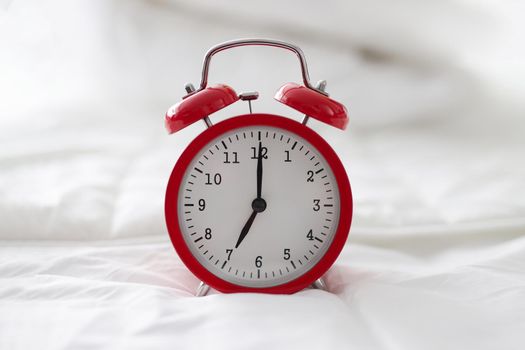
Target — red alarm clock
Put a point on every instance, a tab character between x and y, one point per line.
258	202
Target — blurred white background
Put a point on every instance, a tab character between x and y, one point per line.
434	92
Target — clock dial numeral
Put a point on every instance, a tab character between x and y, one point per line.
310	235
316	206
310	176
258	261
233	159
229	253
217	179
255	152
207	233
286	253
202	204
287	159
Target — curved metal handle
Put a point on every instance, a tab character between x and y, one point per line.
256	42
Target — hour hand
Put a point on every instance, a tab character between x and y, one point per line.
246	228
258	206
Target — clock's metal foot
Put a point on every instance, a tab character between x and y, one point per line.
319	284
202	289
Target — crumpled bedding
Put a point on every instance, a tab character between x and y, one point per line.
137	294
436	255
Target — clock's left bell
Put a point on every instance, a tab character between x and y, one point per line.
199	105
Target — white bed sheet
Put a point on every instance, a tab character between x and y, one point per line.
436	255
137	294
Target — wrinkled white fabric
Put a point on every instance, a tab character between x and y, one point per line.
434	149
137	294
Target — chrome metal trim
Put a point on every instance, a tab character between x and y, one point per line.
257	42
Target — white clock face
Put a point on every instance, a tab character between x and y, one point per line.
258	206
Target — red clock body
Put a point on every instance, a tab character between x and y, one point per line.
258	203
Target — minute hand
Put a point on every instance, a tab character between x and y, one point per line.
259	171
